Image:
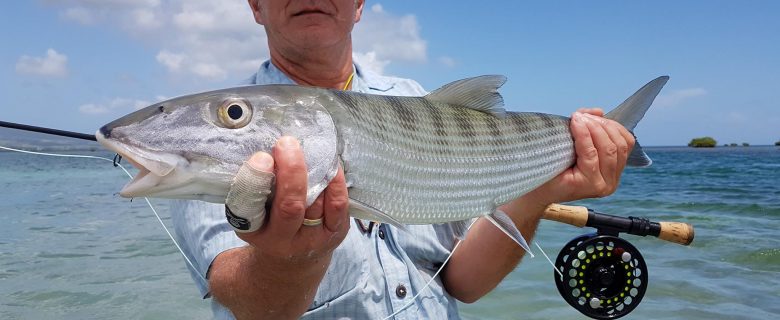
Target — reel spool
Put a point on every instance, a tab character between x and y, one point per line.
604	277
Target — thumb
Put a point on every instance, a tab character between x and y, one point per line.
251	187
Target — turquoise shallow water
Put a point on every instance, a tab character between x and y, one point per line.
70	248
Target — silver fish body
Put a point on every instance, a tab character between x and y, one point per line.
452	155
421	162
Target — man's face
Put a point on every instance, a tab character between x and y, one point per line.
307	23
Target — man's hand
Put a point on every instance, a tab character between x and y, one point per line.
283	254
602	147
284	236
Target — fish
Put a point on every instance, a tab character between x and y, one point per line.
450	156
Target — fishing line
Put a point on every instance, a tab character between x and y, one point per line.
445	263
116	164
548	258
429	281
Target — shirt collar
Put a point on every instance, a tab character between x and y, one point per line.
364	81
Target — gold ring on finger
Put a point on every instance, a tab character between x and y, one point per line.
312	222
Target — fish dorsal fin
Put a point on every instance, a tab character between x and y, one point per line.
478	93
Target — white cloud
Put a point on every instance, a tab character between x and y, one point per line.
121	105
145	19
209	70
389	37
448	62
213	39
53	64
79	15
170	60
677	97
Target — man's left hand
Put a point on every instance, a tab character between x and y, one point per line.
602	147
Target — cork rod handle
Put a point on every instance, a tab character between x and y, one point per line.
677	232
573	215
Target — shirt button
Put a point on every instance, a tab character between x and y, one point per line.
400	291
381	234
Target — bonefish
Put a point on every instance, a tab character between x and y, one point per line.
450	156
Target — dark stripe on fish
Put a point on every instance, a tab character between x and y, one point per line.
548	120
521	126
463	120
405	117
495	132
438	124
350	103
378	114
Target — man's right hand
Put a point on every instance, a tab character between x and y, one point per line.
283	254
284	236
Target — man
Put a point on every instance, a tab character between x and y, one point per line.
318	262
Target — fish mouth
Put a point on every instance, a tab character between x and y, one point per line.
153	167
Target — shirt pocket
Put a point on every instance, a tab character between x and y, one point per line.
349	268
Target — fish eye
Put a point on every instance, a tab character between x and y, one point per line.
234	113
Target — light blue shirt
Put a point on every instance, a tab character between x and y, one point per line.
369	271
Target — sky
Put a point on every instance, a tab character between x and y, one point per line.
78	64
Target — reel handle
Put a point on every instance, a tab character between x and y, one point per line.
578	216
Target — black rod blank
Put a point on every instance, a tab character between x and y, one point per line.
56	132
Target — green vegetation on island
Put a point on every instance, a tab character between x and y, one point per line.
777	143
744	144
703	142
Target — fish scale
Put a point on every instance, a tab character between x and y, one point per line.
408	171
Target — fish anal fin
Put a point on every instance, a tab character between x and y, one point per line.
504	223
460	228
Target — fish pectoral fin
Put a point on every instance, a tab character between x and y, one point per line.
363	211
504	223
477	93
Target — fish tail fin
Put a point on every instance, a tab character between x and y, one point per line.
631	111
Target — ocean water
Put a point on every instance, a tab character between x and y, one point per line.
70	248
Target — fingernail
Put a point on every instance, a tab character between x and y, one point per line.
288	142
578	117
261	161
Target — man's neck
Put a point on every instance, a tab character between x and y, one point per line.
317	68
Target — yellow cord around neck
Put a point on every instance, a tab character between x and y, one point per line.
349	81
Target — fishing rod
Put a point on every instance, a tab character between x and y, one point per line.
56	132
600	274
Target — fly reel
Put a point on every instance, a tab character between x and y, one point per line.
602	276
